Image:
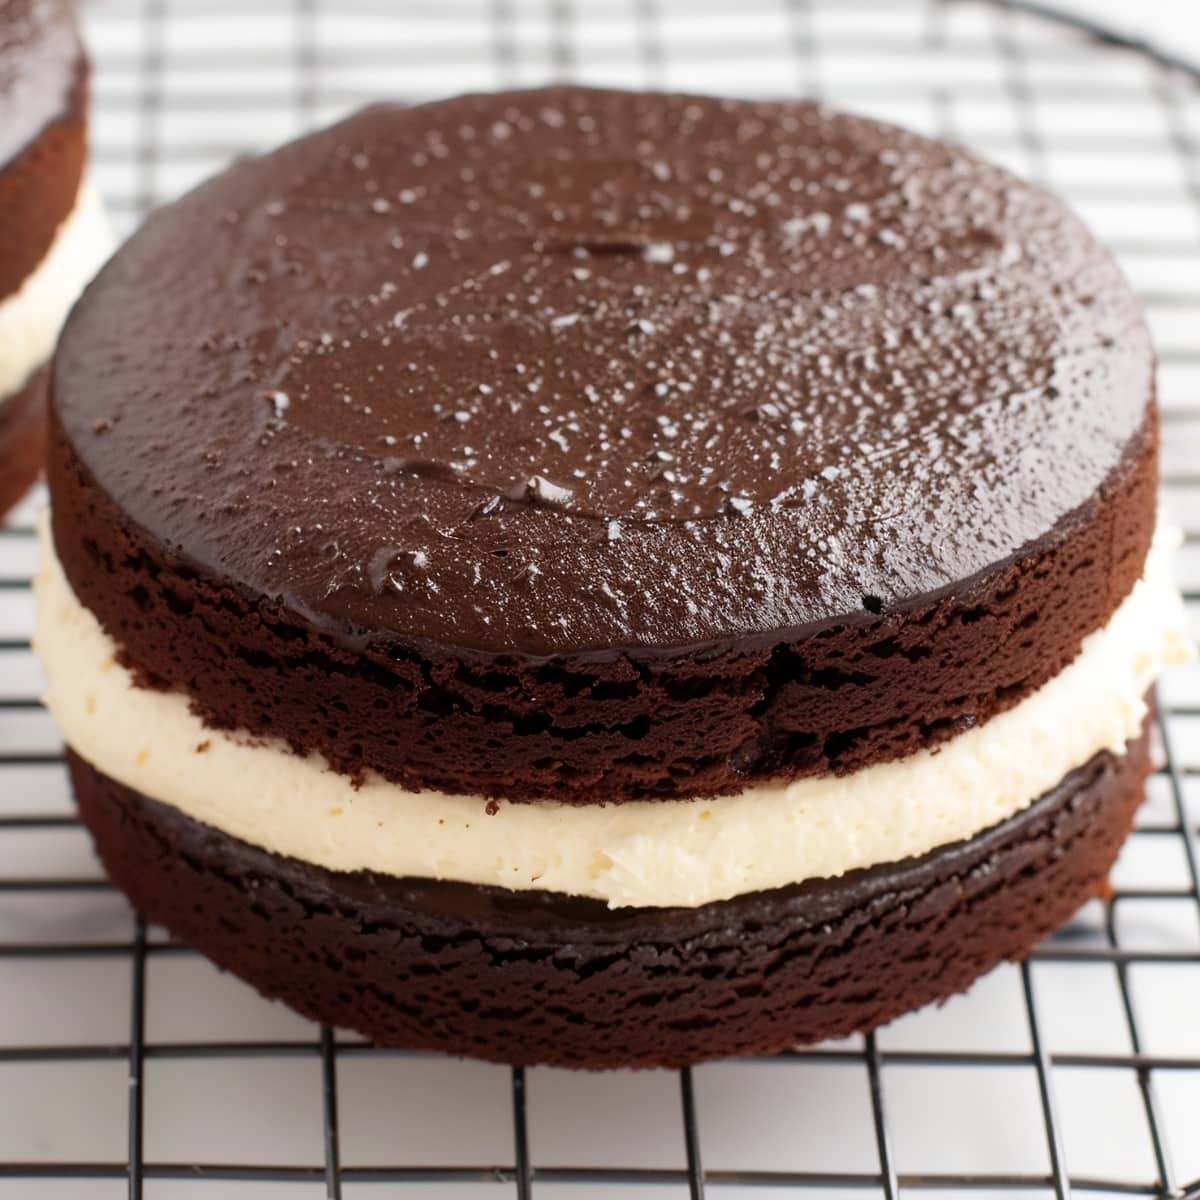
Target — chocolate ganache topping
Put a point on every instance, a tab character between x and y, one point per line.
568	370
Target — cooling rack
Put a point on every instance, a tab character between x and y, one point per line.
128	1066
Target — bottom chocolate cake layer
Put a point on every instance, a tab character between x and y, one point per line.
529	977
22	439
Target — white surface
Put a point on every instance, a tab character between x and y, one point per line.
1172	24
1114	155
649	853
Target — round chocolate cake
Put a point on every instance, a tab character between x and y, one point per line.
52	234
607	579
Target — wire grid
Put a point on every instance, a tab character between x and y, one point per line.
182	86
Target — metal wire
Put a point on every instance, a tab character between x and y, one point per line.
1017	45
333	1175
883	1140
524	1172
691	1135
137	1058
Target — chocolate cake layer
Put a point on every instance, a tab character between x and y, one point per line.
22	440
589	445
43	130
539	978
606	728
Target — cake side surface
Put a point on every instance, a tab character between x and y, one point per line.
643	852
705	721
22	439
544	979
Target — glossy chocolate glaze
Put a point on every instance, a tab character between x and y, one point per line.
40	56
576	371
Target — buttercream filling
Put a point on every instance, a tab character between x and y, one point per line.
31	317
645	853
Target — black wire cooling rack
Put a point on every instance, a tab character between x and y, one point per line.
129	1067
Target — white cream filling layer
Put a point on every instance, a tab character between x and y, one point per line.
686	852
32	316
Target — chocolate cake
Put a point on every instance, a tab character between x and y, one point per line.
52	235
607	579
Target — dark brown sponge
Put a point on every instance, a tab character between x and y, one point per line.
528	978
22	439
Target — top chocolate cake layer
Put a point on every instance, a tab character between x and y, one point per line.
592	446
576	371
39	57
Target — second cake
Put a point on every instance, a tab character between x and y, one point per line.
53	235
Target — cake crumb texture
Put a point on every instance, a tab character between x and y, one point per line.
549	979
